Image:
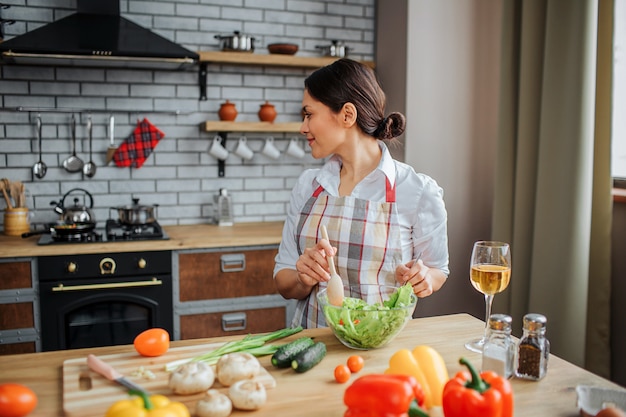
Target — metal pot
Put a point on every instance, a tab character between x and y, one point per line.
334	49
236	42
136	214
76	214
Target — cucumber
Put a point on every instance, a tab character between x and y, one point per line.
309	357
284	355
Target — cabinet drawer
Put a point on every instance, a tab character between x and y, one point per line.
17	316
17	348
218	275
263	320
14	275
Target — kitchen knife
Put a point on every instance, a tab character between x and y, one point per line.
107	371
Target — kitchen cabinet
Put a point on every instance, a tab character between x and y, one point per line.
18	308
228	292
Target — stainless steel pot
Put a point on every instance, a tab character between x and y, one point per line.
236	42
78	213
334	49
136	214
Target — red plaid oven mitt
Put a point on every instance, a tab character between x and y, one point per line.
138	146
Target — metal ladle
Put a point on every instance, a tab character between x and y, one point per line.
89	169
40	168
73	163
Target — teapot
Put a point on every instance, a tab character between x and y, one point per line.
76	214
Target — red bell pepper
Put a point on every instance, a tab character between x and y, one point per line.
469	394
382	395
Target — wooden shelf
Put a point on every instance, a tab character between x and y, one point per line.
247	58
219	126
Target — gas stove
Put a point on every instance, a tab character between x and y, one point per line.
114	231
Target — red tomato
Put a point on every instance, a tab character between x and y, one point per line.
355	363
610	412
16	400
152	342
342	374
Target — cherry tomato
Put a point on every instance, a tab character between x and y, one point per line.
16	400
342	374
610	412
355	363
152	342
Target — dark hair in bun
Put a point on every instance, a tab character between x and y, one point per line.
348	81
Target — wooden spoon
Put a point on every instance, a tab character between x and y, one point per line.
6	196
334	290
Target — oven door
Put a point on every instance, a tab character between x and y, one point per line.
103	312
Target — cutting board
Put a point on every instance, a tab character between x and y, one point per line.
88	394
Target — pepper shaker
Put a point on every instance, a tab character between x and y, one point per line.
499	348
533	349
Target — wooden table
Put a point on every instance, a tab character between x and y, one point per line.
315	393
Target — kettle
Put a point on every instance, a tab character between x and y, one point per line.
76	214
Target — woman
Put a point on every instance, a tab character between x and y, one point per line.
388	223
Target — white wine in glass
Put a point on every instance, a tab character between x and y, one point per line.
490	274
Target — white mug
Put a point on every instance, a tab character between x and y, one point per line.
270	149
243	150
294	149
217	150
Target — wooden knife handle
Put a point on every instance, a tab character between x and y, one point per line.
101	367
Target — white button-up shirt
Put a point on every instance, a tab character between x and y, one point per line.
419	200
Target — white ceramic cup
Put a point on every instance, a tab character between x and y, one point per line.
243	150
269	149
217	150
294	149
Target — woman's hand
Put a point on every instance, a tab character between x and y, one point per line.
418	275
312	266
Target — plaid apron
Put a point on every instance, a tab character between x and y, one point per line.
367	236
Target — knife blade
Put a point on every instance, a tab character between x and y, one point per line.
98	365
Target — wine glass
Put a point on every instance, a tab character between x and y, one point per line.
490	273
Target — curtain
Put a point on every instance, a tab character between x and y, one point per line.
552	197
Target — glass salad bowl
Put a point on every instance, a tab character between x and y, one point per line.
371	315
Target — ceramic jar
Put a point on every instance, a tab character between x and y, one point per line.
227	112
267	112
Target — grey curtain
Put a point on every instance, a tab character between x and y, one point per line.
553	186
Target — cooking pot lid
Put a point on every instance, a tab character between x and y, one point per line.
135	206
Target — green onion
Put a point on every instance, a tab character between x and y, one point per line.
255	345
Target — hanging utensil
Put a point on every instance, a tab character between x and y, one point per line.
40	168
335	285
89	169
73	163
112	148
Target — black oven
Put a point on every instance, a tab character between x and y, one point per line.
93	300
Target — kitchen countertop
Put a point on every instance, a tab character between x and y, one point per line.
315	392
197	236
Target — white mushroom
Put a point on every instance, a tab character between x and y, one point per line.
214	404
191	378
234	367
247	394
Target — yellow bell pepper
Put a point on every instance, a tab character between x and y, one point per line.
427	366
144	406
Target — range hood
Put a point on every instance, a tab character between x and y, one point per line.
96	36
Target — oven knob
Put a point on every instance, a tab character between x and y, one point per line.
142	263
72	267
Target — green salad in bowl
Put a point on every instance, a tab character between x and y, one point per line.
371	315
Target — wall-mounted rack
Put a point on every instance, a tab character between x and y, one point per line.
94	111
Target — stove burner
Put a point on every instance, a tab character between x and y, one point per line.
119	231
113	232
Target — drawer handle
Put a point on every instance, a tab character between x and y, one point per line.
234	321
233	263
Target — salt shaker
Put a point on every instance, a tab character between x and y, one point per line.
499	348
533	348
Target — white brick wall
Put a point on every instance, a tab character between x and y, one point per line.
179	176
